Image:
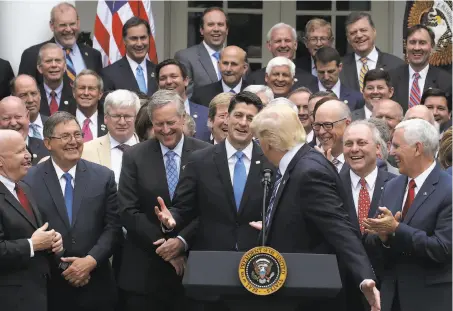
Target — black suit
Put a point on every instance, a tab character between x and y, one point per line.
119	75
37	149
142	271
94	230
67	101
6	75
304	63
29	60
23	280
203	95
301	78
309	216
436	78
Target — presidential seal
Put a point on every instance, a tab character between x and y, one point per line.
262	270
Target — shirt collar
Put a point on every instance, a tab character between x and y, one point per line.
423	73
231	150
58	90
335	88
289	155
134	64
373	55
340	158
236	89
81	117
74	48
209	49
177	149
420	179
309	136
38	121
9	184
370	178
114	143
60	173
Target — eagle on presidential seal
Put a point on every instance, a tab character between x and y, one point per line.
262	271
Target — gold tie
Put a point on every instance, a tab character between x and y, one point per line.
363	72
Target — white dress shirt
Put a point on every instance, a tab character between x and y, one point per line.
309	137
421	81
368	112
339	166
61	179
187	106
57	91
214	61
39	125
236	89
419	181
232	159
372	59
93	125
335	88
134	66
356	186
116	155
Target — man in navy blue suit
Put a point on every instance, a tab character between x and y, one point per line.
413	230
328	67
172	75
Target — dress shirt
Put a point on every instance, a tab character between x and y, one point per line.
76	57
421	81
11	185
134	66
314	72
309	136
335	88
356	186
231	156
236	89
340	158
214	61
368	112
419	181
57	91
61	179
93	122
116	155
187	106
39	125
372	59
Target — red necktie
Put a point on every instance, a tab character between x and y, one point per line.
53	103
24	201
87	135
410	197
364	203
414	98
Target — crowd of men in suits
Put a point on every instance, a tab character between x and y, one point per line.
109	177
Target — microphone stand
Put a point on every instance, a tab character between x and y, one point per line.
266	181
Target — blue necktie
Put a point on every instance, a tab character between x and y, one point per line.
35	131
239	179
278	179
172	172
141	80
217	56
68	195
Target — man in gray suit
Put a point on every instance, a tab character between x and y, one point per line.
201	61
361	35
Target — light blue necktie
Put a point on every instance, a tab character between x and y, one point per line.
141	80
35	131
172	172
217	56
68	195
278	179
239	179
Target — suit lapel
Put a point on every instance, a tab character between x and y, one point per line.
128	75
151	87
104	151
205	60
158	169
221	161
16	204
38	220
381	179
253	176
187	149
352	75
44	105
86	56
431	80
67	100
351	208
102	129
404	77
80	188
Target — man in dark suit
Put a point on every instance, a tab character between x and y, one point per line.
78	198
171	75
56	93
87	91
149	170
328	68
6	76
26	246
201	60
361	35
65	25
232	65
413	228
307	210
312	135
411	80
133	72
15	116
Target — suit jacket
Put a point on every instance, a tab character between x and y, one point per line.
358	114
304	63
20	274
351	97
143	179
98	151
199	114
119	75
310	216
204	94
348	74
29	60
419	257
6	75
67	101
37	149
94	229
436	78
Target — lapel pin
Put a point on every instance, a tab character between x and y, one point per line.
86	53
183	167
102	127
35	155
345	101
381	68
424	193
295	80
284	182
66	102
257	162
152	75
195	116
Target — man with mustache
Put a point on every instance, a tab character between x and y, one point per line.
412	79
65	25
361	35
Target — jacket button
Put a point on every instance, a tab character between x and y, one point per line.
237	225
73	241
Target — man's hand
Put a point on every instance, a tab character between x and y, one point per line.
57	245
169	249
78	273
327	153
42	239
384	224
372	295
179	263
164	215
258	225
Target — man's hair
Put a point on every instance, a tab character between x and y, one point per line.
247	98
222	99
211	9
327	54
55	119
418	130
89	72
162	98
48	46
134	22
384	132
330	95
171	61
12	83
301	89
283	101
377	74
445	149
121	98
282	25
63	6
258	88
355	16
415	28
317	23
281	61
434	92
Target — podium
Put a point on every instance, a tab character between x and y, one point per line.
215	274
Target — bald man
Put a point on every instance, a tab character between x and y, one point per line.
389	111
420	112
15	116
233	66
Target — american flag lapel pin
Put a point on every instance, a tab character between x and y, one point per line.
257	162
66	102
86	53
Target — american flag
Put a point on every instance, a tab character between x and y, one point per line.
110	18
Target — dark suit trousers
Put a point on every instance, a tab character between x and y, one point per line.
396	300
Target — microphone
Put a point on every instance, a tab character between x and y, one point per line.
266	181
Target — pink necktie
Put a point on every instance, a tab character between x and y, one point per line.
414	98
87	135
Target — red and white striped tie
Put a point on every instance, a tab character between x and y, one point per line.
414	98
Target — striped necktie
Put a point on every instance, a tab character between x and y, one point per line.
36	133
363	72
414	97
70	69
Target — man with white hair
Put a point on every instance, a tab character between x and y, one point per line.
413	229
282	41
280	76
262	91
307	206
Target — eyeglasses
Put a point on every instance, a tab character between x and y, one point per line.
117	117
314	40
326	125
66	137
